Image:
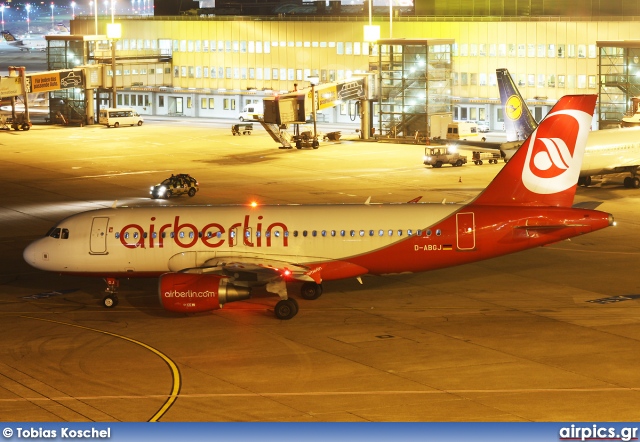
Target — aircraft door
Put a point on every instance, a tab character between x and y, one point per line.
465	231
99	227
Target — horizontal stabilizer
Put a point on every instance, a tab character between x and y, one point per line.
551	226
589	205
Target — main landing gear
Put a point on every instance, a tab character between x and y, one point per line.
288	308
111	298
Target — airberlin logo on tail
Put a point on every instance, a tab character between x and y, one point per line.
553	163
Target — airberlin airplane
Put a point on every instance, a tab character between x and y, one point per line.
206	256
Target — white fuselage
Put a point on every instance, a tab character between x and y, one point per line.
611	151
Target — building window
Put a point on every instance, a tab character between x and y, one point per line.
203	103
560	80
211	103
160	100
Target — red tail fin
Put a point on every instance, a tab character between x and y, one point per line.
545	170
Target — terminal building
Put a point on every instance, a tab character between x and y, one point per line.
201	65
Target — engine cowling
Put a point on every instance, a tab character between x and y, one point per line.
192	292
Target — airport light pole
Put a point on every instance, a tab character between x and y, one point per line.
114	33
314	80
73	10
2	9
52	21
28	8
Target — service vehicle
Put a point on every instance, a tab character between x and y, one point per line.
252	112
462	131
175	185
117	117
480	157
437	156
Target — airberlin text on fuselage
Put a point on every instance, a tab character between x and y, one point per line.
211	235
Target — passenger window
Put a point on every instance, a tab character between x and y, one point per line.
371	233
295	233
277	233
361	232
286	234
352	233
324	233
438	232
409	232
314	233
399	232
390	232
117	235
333	233
428	232
342	232
419	232
304	233
381	232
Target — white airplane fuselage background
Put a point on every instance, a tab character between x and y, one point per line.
609	150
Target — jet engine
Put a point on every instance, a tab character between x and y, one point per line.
193	292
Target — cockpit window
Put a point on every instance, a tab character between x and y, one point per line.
58	233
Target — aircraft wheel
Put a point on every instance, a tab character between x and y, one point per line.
286	308
110	301
311	290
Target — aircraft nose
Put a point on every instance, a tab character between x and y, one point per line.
33	255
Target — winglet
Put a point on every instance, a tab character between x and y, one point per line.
368	201
115	204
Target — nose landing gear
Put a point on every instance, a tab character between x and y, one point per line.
111	298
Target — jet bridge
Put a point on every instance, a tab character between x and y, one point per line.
293	108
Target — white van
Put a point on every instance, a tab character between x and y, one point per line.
120	116
462	131
252	112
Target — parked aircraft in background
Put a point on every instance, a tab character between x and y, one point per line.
518	121
207	256
38	104
28	43
608	151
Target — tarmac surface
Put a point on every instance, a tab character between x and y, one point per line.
550	334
